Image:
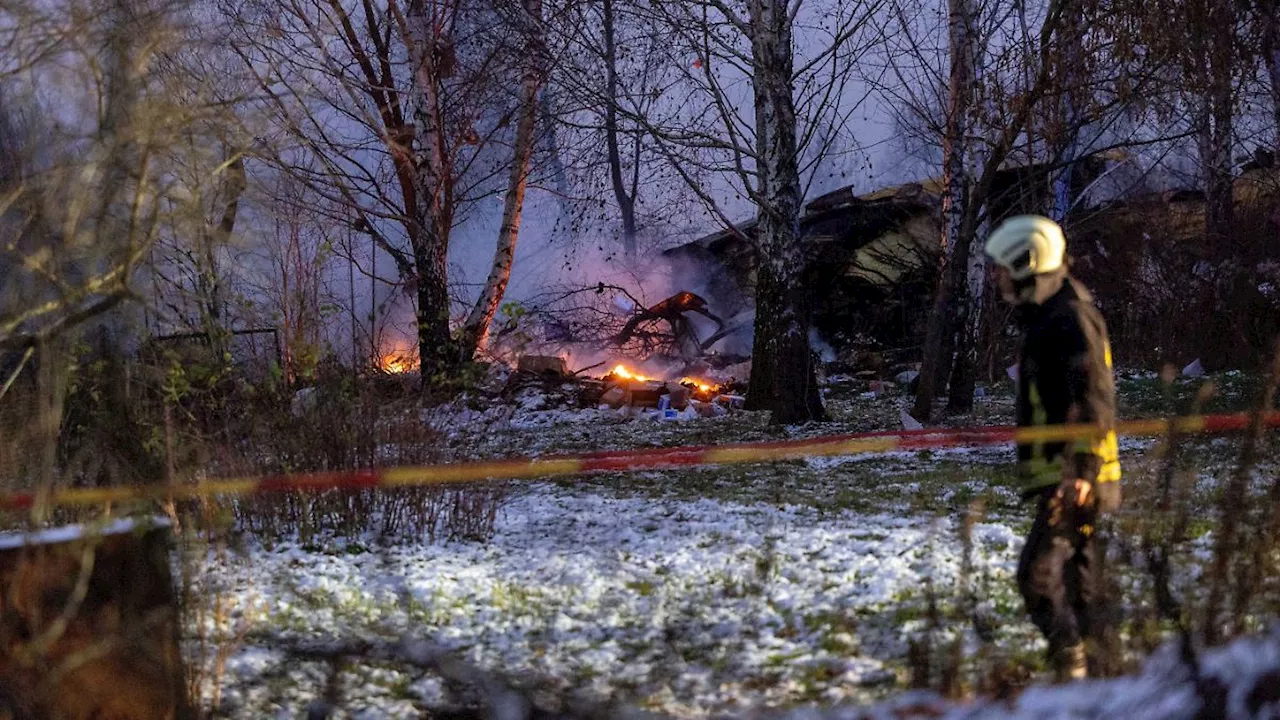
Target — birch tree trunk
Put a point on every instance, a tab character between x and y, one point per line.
942	325
431	211
1216	132
209	285
783	377
476	329
970	321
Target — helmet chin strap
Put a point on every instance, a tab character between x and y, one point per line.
1036	289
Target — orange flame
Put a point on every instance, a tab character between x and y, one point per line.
702	386
622	372
395	363
699	384
397	357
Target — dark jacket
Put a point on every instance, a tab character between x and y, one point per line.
1065	377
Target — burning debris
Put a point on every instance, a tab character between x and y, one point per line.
672	312
625	388
396	355
691	396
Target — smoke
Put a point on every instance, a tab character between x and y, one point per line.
820	346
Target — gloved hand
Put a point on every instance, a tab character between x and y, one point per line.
1072	505
1077	493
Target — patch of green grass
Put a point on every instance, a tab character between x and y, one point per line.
516	599
643	588
732	587
778	660
1140	396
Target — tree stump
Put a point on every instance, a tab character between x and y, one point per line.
89	624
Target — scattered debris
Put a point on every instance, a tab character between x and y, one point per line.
548	365
672	311
671	399
1194	370
304	401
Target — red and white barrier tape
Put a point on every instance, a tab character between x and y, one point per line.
627	460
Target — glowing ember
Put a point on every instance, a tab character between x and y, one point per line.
395	363
397	357
699	384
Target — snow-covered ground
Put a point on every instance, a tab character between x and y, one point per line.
1238	682
685	606
691	592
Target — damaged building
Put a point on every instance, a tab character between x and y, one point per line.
876	258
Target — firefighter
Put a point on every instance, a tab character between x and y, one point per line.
1064	377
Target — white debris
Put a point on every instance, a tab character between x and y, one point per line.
1194	370
303	402
69	533
908	422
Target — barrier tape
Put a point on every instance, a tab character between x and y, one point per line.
629	460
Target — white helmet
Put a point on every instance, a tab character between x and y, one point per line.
1027	245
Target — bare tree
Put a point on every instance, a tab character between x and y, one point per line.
533	54
191	274
625	197
1048	89
613	63
953	301
1267	23
86	184
960	89
1214	61
391	115
81	210
293	256
800	106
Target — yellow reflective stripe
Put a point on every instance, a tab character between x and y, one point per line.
1110	472
1108	448
1038	414
1102	445
1084	439
1038	472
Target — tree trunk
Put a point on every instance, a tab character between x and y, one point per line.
435	345
210	276
550	148
476	329
783	377
971	321
1216	134
92	625
431	213
1069	118
626	200
1271	56
942	324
